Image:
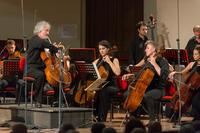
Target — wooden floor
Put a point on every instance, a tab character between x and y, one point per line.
116	123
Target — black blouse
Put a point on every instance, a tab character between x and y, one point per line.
111	75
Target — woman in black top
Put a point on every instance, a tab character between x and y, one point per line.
111	65
35	65
160	67
193	66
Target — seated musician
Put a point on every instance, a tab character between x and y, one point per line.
111	65
155	89
35	65
11	53
195	65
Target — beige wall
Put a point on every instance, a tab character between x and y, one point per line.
167	16
57	12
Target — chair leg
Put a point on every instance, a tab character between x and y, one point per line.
31	94
4	97
111	111
19	96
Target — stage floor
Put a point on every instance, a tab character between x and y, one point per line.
117	122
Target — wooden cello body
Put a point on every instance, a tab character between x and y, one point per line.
52	70
137	89
83	96
187	90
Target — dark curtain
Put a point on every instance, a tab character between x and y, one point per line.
112	20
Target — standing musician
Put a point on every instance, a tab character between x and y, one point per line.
111	65
10	53
155	89
137	46
193	42
195	65
35	65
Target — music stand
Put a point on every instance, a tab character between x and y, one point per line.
82	54
89	71
177	57
11	68
172	56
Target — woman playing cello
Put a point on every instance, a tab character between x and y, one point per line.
195	67
155	89
111	65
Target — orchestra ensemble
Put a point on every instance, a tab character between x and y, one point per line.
47	65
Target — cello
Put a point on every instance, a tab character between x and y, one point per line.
52	70
138	87
186	91
84	96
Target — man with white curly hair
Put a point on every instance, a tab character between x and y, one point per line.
35	65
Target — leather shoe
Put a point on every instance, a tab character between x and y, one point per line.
38	105
56	104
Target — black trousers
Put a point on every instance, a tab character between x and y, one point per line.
11	81
40	79
151	100
104	101
196	105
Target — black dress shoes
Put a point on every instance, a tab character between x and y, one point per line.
38	105
56	104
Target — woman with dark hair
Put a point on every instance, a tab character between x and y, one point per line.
195	67
111	65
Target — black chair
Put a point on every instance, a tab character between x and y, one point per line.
118	98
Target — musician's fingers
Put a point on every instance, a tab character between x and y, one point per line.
54	43
124	77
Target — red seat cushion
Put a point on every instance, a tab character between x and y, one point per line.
167	97
28	78
66	89
50	92
31	93
122	84
9	88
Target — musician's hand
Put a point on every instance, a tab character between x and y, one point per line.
55	44
59	45
152	60
106	59
127	76
171	75
66	58
171	68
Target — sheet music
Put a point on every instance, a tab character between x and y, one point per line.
11	68
98	83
